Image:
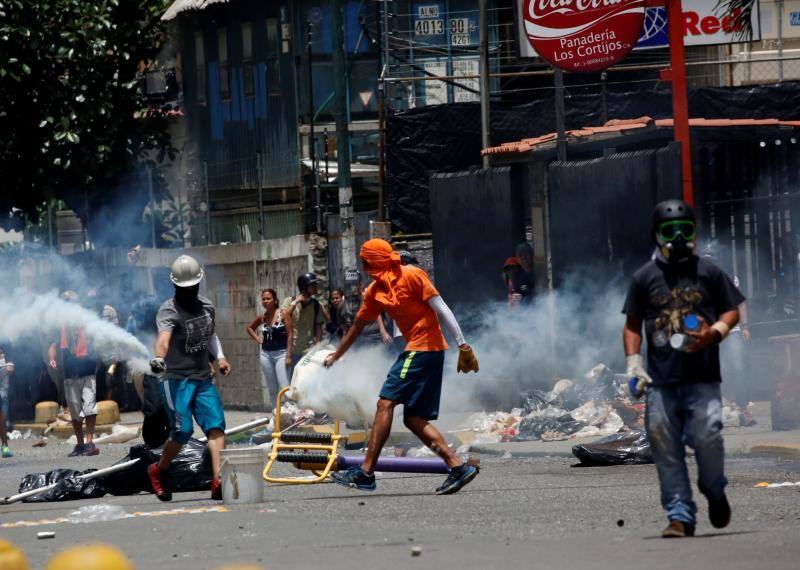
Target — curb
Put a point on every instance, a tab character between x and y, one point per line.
519	454
779	451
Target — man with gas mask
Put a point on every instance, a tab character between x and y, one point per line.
688	306
186	339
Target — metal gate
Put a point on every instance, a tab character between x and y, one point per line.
600	210
478	218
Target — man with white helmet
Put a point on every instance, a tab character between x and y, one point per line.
186	343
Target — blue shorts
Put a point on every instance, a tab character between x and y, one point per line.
415	380
186	398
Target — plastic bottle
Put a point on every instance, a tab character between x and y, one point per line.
680	341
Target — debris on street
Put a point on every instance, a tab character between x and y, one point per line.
596	406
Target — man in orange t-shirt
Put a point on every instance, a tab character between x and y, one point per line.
415	379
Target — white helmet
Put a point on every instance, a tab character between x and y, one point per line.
185	271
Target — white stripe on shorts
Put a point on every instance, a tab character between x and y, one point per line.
168	395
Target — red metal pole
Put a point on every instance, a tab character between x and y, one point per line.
680	103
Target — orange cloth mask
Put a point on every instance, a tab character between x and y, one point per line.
383	264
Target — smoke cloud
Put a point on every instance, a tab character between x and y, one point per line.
26	313
562	335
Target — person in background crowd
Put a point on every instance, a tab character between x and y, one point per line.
688	306
304	321
142	324
6	370
185	345
415	380
269	330
375	333
341	319
111	372
80	387
522	282
510	270
733	351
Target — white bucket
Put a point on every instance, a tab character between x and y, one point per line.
241	478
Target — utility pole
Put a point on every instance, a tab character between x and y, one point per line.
561	129
680	100
779	8
483	33
149	172
312	140
343	139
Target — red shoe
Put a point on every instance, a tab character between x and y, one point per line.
157	483
216	490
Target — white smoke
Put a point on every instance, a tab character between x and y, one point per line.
348	390
25	313
562	335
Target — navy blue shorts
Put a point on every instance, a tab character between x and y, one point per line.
415	380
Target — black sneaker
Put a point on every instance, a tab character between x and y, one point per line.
77	450
719	512
457	478
355	477
90	449
678	529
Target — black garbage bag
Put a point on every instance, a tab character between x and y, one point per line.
530	429
189	471
538	400
68	488
627	448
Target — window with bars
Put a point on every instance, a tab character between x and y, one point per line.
273	57
222	54
247	59
200	67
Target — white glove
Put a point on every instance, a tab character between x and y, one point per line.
158	366
636	370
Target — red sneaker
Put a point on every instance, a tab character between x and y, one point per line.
157	483
216	490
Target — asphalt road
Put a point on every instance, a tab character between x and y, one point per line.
527	513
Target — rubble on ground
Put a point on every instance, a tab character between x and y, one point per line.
597	405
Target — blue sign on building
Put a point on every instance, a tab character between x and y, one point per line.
654	30
794	18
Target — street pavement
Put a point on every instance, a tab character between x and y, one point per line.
530	512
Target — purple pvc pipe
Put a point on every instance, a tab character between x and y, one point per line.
396	464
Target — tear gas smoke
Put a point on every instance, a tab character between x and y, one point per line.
559	335
46	314
562	335
348	390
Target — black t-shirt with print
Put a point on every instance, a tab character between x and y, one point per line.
661	295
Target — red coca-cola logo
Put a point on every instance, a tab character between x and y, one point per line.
583	35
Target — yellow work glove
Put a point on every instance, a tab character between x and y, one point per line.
466	360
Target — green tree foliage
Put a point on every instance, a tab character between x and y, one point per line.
71	109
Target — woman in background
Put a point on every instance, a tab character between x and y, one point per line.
269	331
340	318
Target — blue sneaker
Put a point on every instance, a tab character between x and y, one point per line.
7	452
458	477
355	477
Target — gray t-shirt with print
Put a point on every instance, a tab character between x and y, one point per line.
187	356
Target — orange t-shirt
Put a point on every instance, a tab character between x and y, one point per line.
414	317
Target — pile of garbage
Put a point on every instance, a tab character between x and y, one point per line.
596	406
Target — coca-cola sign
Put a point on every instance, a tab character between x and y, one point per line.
583	35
